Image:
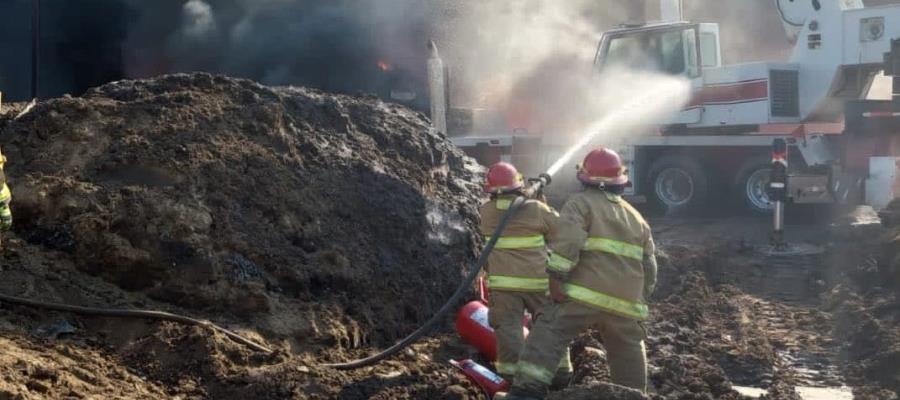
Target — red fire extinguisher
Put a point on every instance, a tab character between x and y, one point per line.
488	381
473	326
474	329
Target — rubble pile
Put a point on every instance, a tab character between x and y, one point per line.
226	196
321	224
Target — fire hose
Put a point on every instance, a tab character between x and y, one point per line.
536	186
141	314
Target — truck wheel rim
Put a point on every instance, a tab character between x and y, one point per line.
756	189
674	187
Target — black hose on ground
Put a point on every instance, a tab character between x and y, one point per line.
460	291
142	314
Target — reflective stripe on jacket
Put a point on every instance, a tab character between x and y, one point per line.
519	259
601	250
5	194
518	242
500	282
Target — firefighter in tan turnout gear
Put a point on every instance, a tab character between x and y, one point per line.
5	198
516	268
602	268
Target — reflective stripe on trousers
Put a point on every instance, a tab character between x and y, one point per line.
615	247
535	372
607	302
506	368
517	283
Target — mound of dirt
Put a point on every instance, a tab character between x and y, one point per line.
319	219
56	370
865	303
685	346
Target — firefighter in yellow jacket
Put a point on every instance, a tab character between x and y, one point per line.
602	268
5	198
516	268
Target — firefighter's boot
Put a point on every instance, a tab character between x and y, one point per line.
561	380
563	373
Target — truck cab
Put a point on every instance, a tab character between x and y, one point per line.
723	97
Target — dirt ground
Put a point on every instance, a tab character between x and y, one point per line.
327	227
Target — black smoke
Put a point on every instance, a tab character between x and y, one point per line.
81	45
338	45
374	46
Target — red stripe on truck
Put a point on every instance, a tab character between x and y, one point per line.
731	93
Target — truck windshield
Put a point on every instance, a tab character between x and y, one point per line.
661	51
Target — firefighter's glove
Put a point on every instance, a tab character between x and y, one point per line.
649	288
557	294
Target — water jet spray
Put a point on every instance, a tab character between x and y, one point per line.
619	117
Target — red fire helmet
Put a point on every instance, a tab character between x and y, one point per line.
503	177
602	166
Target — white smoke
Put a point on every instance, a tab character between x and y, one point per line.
532	62
198	19
619	104
496	43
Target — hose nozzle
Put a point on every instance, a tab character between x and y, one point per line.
545	178
536	185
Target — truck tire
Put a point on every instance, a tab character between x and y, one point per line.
751	185
677	184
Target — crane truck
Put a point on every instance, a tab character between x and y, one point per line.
842	145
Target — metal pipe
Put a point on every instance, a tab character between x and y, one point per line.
437	85
892	68
778	224
895	89
778	190
35	45
671	10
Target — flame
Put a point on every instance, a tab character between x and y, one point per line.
384	66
